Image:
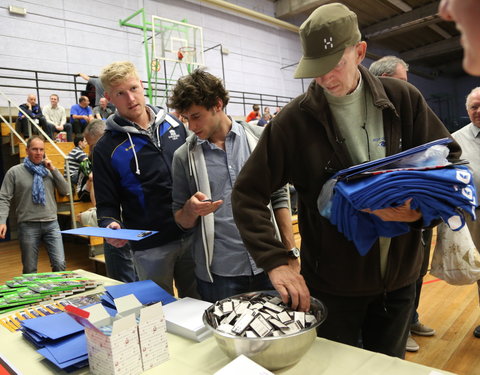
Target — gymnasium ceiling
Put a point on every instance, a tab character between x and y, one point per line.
410	29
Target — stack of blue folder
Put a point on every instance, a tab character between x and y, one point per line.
61	340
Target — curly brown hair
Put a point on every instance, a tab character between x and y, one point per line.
198	88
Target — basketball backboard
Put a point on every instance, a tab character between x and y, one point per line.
176	41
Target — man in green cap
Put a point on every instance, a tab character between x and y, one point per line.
346	117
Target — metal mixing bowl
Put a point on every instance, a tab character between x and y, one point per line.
273	352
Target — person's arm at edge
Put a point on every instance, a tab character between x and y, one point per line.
84	76
6	194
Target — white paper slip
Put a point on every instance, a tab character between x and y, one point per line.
184	318
243	365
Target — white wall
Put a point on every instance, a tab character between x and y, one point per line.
67	36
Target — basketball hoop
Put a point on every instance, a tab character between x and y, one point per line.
187	54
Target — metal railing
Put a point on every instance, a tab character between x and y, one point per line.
43	82
31	122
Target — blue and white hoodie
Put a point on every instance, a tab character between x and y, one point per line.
132	176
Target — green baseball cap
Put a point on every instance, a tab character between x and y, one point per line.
324	36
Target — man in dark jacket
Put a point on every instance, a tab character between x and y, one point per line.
133	183
33	110
347	116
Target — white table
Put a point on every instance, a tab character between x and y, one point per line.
191	358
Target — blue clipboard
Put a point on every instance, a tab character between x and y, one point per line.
121	234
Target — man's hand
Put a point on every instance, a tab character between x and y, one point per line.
291	286
116	242
401	213
3	230
48	164
198	205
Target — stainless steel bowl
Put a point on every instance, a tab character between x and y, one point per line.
273	353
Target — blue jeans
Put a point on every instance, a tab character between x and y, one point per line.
119	263
30	234
223	286
165	263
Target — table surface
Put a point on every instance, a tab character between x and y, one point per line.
191	358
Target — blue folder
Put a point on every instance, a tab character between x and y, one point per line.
121	234
53	326
146	291
355	170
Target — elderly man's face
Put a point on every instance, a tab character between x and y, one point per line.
343	79
473	108
466	14
32	99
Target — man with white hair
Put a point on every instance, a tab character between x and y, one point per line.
390	66
468	138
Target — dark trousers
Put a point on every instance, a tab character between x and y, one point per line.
426	245
224	287
78	126
24	124
378	323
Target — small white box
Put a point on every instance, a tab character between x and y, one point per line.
137	342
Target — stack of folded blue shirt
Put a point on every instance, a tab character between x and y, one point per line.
445	193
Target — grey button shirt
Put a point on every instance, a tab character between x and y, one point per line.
231	258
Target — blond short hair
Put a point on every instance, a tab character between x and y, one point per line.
116	72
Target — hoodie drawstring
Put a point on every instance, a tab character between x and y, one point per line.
134	154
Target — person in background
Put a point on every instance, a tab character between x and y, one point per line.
74	158
466	14
30	186
56	117
255	114
266	117
346	117
392	66
80	115
33	110
133	183
468	138
97	84
201	201
102	111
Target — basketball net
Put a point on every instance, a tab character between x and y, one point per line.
186	54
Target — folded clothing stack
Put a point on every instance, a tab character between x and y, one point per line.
446	193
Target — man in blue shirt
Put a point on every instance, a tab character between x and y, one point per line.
216	153
80	115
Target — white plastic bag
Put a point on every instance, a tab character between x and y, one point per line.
455	258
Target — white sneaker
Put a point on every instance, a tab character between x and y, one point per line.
412	345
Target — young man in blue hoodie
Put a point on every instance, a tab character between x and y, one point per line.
133	183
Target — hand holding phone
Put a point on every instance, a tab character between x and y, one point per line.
48	163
